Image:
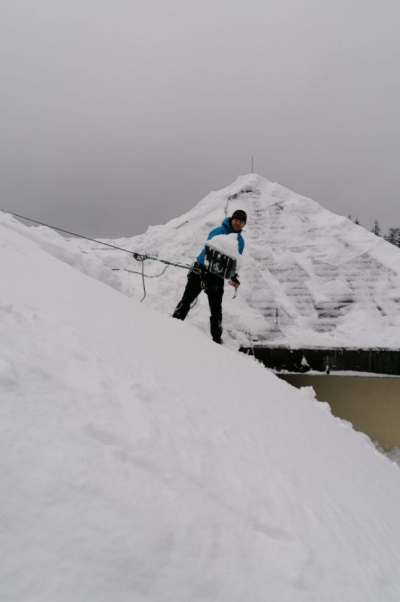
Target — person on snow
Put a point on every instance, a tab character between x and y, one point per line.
200	279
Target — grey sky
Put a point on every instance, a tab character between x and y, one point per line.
117	114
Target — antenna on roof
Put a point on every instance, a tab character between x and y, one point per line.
252	163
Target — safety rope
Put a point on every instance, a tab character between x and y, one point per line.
138	256
34	221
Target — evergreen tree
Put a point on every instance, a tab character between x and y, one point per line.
393	236
357	223
376	229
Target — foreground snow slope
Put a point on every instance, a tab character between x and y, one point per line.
142	462
309	276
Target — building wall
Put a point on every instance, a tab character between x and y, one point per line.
371	404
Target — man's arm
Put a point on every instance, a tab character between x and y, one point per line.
216	232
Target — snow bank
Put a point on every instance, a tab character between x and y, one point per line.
140	461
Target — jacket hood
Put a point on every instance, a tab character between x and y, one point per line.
227	225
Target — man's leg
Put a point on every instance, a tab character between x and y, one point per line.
192	291
215	292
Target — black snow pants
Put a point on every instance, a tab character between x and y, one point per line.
214	289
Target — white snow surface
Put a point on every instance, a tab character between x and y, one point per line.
142	462
226	244
308	277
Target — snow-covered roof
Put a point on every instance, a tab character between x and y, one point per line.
309	276
127	477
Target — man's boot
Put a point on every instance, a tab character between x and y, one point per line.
216	330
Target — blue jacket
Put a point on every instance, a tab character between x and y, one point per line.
224	228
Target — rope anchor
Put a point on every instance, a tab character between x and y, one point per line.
139	257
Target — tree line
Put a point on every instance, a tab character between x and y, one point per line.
393	236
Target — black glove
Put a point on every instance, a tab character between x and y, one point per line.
234	281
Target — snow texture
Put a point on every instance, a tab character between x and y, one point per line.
142	462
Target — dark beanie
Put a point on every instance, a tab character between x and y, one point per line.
239	214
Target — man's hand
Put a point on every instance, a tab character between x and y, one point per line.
234	281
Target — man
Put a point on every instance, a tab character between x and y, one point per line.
199	279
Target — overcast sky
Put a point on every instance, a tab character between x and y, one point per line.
118	114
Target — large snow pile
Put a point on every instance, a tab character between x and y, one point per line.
142	462
309	277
